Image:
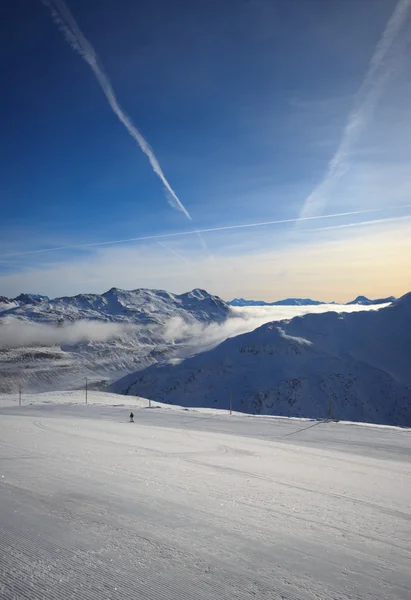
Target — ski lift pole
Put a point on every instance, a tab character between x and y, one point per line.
231	402
19	395
86	389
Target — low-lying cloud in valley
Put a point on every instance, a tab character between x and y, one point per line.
196	336
202	337
16	334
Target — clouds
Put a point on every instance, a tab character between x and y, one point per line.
199	232
15	334
191	336
243	150
373	259
201	337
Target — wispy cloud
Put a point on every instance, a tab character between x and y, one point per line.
378	72
201	231
73	34
335	265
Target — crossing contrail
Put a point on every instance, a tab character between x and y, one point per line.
67	24
378	72
163	245
201	231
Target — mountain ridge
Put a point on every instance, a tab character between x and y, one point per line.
54	344
362	300
356	362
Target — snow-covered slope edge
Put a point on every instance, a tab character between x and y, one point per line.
354	366
96	400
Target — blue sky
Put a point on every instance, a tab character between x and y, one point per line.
256	111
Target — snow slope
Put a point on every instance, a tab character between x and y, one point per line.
55	344
193	506
354	366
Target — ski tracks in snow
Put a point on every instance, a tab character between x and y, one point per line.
181	507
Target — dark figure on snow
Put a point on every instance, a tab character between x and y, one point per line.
131	417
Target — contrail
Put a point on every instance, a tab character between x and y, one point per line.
359	224
209	230
366	98
172	251
202	241
75	37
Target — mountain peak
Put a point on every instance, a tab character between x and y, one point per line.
30	298
364	301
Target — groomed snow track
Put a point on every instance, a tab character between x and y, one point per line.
183	505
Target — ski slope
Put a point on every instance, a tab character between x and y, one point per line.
197	504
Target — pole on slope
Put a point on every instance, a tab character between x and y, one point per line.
231	402
149	394
86	389
19	395
330	408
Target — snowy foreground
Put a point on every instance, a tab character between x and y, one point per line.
198	504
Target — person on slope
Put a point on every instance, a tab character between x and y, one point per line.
131	417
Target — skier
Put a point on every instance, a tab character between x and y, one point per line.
131	417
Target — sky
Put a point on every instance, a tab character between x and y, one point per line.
254	148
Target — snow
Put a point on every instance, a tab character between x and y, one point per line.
366	301
360	300
354	364
198	505
54	344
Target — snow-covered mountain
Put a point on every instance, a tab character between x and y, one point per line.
364	301
30	298
286	302
243	302
55	344
354	366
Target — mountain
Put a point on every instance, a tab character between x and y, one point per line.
298	302
363	300
242	302
54	344
286	302
30	298
355	365
6	303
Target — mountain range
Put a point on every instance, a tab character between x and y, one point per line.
54	344
286	302
352	366
348	365
363	300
